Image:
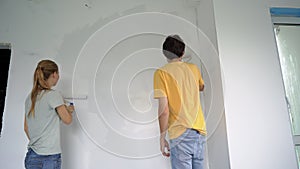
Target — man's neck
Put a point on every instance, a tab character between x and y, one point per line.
175	60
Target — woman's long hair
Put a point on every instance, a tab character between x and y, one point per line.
42	72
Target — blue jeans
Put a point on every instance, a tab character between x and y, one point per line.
187	150
35	161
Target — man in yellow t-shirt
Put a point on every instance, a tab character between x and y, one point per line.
176	86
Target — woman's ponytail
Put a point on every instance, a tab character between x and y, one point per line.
42	72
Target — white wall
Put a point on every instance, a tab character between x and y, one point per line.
259	133
258	129
91	52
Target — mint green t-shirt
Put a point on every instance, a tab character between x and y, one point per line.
44	126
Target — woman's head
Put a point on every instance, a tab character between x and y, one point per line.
45	76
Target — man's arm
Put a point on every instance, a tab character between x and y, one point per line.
163	117
200	80
201	87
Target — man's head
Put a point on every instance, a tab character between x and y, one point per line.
173	47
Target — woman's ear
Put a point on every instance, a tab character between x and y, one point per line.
53	74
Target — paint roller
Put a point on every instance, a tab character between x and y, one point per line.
76	97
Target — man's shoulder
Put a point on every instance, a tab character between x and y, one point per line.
158	71
192	65
162	68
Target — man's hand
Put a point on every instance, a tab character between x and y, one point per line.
164	147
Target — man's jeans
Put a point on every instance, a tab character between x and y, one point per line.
187	150
35	161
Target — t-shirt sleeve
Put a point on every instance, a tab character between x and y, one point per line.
55	99
159	85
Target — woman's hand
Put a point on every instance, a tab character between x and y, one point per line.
70	108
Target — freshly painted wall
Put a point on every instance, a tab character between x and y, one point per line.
258	129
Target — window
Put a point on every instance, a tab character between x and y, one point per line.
287	31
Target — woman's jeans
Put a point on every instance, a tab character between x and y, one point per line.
35	161
187	150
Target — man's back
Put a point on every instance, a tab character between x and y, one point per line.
179	82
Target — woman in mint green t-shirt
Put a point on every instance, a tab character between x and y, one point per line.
44	109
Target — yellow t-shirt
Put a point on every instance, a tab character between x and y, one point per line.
179	82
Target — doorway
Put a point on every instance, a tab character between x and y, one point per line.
5	55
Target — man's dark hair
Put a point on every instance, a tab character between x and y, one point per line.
173	47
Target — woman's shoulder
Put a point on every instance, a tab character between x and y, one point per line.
52	92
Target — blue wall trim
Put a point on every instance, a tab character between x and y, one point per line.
292	12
